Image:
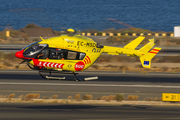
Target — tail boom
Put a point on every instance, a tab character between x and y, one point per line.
129	49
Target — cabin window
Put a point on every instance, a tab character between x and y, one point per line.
81	56
71	55
56	54
59	54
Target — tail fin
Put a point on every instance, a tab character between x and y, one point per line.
132	45
146	59
148	46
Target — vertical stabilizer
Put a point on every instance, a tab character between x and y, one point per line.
147	47
146	59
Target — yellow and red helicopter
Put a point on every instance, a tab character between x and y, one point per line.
72	52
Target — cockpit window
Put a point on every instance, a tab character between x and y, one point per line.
33	50
43	54
30	45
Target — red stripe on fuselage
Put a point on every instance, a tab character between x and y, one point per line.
89	59
85	62
47	64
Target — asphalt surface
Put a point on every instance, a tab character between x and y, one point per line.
22	111
109	83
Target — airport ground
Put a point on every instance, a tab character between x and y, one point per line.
17	111
109	83
22	82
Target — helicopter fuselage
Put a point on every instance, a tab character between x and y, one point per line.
72	52
69	53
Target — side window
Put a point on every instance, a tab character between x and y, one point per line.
81	56
56	54
71	55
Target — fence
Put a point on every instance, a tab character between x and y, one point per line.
129	34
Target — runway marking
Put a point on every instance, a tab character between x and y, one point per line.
66	92
134	111
104	73
93	85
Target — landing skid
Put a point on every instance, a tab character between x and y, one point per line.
58	78
50	77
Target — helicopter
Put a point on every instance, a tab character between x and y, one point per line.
71	53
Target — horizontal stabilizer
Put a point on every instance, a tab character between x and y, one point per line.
132	45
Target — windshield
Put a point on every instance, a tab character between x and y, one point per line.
33	50
30	45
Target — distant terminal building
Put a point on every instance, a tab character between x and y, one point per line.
176	31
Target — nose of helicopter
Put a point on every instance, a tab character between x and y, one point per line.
19	54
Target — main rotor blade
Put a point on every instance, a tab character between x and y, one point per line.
125	24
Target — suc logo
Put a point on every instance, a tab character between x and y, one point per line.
79	66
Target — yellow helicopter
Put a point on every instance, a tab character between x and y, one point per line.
73	52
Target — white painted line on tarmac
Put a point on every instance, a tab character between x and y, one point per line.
101	73
93	85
